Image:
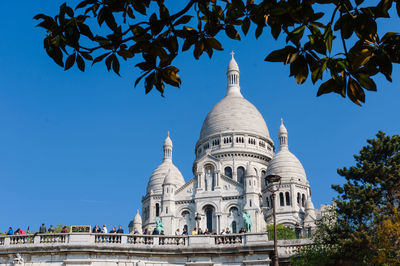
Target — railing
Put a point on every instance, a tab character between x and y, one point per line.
53	238
21	239
2	240
228	239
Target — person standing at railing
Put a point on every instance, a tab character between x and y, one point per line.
51	229
104	230
194	232
228	232
185	232
162	239
297	230
146	232
206	232
64	230
42	229
10	231
120	230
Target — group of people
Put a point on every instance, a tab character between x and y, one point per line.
104	230
42	230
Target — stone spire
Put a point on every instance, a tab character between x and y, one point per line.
137	222
283	137
232	74
167	148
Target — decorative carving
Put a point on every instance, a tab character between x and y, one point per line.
80	229
18	260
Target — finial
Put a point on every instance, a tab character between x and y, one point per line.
168	133
281	121
137	211
232	53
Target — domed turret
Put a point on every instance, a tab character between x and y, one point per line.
137	222
157	178
285	163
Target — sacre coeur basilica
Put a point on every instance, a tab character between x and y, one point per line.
233	156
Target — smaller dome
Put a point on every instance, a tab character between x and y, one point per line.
286	165
169	179
233	65
137	219
157	178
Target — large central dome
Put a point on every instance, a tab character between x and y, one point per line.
233	112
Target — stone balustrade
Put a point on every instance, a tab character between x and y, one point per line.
95	249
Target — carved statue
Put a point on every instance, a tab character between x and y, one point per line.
159	225
247	221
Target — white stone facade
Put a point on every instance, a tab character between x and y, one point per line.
233	155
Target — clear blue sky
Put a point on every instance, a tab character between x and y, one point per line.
79	148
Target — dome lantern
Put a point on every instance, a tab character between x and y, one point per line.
283	137
167	147
233	88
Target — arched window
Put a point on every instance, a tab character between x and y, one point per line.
228	172
281	199
298	198
250	203
287	196
157	209
209	217
240	174
234	227
166	210
303	200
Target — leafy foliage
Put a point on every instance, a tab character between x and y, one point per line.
146	30
283	232
365	229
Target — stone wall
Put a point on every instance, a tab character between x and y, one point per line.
141	250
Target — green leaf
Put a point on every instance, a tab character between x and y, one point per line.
355	92
115	64
278	11
232	32
299	69
183	20
319	70
80	63
70	61
366	82
99	58
245	25
327	87
215	44
281	55
328	37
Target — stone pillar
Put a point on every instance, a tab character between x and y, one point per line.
200	182
217	179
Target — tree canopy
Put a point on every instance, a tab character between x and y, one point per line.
343	43
365	227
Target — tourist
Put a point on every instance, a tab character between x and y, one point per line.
223	231
120	230
228	232
96	229
42	229
206	232
51	229
200	232
297	230
155	231
10	231
113	230
19	231
308	228
64	230
162	239
194	232
104	230
213	232
135	231
185	232
146	232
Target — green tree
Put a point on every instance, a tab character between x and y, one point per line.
366	215
283	232
342	42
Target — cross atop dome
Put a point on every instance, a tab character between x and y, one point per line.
232	53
